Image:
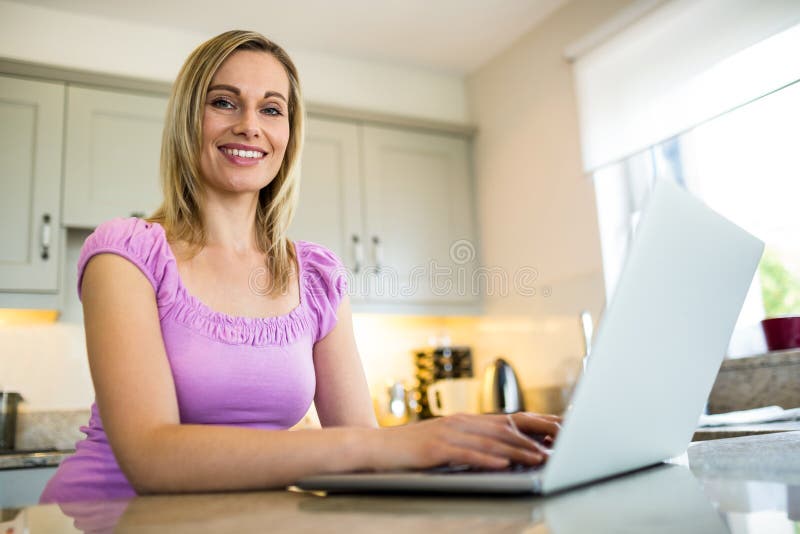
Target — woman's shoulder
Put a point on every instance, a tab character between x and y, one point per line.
141	242
324	280
316	256
126	232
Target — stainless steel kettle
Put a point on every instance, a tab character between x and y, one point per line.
501	391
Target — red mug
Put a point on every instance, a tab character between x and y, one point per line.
782	333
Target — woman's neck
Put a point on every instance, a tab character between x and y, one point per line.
230	222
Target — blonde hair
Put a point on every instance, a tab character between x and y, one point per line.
180	156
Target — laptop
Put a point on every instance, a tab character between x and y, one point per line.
658	349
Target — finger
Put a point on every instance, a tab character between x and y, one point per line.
476	458
530	424
542	440
536	424
485	445
486	436
548	416
501	428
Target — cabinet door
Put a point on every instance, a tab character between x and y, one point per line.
329	210
419	216
31	125
112	151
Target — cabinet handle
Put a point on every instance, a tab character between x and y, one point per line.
358	254
137	214
45	236
377	251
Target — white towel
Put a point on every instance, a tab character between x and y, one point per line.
768	414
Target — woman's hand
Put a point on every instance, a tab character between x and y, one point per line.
480	441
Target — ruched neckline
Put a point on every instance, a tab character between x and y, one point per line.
321	279
283	329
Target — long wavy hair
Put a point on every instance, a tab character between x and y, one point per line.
180	213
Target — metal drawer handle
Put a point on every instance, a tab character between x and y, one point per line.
45	236
377	249
358	254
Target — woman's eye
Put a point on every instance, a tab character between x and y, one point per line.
272	111
221	103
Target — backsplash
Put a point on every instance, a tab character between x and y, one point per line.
47	364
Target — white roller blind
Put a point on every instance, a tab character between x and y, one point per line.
681	64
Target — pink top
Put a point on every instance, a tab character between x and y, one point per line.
237	371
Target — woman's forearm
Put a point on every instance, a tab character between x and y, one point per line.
196	458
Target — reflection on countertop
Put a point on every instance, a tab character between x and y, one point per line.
738	485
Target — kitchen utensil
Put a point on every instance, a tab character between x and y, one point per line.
8	418
782	333
392	405
434	364
454	395
501	391
588	331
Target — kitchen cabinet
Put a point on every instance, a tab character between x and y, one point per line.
22	487
397	206
419	217
393	200
31	121
111	155
329	211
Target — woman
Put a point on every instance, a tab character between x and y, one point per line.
209	333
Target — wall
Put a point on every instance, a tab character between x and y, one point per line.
47	364
42	35
536	208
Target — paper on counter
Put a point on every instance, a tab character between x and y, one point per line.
768	414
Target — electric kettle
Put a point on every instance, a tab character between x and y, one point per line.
501	391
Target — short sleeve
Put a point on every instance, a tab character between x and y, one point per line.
324	283
140	242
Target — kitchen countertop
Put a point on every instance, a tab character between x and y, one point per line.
735	431
24	459
741	485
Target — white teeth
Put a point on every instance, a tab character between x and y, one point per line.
254	154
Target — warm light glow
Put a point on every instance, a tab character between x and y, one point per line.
26	317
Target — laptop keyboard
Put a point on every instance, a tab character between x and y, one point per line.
456	469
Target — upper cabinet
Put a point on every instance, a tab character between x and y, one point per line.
419	216
111	159
31	124
396	205
329	211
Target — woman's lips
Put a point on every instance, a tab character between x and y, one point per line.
242	157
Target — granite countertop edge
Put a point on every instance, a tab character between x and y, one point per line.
32	459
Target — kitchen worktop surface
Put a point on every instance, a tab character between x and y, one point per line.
738	485
40	458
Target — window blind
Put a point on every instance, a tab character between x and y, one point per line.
680	64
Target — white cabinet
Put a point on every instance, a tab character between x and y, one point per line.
31	121
111	159
329	211
397	206
22	487
419	216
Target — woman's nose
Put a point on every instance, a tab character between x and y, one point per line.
247	124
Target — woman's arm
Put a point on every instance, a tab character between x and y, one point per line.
138	405
342	396
137	401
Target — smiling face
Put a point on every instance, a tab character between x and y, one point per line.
245	123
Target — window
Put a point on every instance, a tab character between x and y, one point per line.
745	165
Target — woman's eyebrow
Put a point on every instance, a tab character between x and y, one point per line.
237	92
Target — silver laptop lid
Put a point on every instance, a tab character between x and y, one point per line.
660	342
